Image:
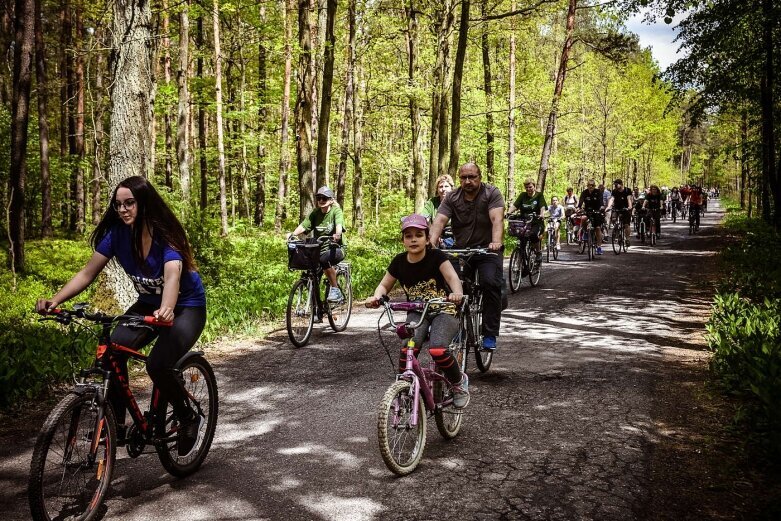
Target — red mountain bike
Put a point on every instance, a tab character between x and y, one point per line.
75	452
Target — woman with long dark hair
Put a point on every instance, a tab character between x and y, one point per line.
148	241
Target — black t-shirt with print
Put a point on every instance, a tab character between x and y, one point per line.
420	280
654	201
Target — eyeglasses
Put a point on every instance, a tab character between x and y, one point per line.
322	198
468	177
591	186
127	204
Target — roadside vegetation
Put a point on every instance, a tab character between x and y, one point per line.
744	329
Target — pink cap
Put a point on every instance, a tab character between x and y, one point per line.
414	221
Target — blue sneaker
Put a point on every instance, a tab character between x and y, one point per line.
599	250
489	342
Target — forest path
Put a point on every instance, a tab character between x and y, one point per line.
585	413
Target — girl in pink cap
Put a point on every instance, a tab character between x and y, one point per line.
425	273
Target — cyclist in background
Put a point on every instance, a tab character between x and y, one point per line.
476	212
425	273
150	244
695	202
674	198
327	220
532	203
653	203
444	186
591	202
621	199
556	213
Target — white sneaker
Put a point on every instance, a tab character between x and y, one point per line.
558	247
461	393
335	295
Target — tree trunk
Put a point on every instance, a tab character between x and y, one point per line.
489	117
326	95
358	139
66	65
204	174
43	124
166	59
418	184
220	129
284	152
24	30
743	157
76	128
129	141
182	120
458	72
260	176
443	21
98	125
304	110
244	206
347	113
550	129
511	117
770	184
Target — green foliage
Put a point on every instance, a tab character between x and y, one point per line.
33	355
743	331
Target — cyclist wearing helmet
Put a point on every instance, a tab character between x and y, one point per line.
425	273
327	220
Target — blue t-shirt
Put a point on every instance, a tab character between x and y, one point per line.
118	242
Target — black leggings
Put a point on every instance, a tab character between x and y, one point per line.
172	343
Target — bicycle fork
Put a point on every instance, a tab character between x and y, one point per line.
414	375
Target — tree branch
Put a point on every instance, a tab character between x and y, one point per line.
518	12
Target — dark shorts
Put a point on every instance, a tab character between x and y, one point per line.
332	257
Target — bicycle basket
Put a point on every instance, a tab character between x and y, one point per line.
303	256
519	228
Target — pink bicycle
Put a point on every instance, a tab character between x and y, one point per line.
401	415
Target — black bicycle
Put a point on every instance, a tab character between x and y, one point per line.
618	238
472	312
523	261
694	219
75	453
305	304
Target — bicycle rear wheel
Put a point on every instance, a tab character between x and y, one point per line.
514	273
300	312
555	250
66	480
339	312
590	244
201	386
448	419
401	443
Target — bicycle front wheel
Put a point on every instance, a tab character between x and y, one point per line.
201	386
70	472
448	419
616	239
339	312
483	358
514	273
300	312
535	267
401	443
590	245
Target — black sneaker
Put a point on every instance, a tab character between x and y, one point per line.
121	435
188	434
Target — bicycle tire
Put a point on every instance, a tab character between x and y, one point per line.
401	444
653	238
448	419
200	383
514	273
590	244
300	315
459	346
582	243
483	358
66	419
535	269
615	240
339	312
555	251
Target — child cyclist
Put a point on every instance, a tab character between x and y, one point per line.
426	273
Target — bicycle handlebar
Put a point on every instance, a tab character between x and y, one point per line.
468	252
403	328
65	316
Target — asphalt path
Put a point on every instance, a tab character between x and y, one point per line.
561	427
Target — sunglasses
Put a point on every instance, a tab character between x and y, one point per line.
127	204
322	198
